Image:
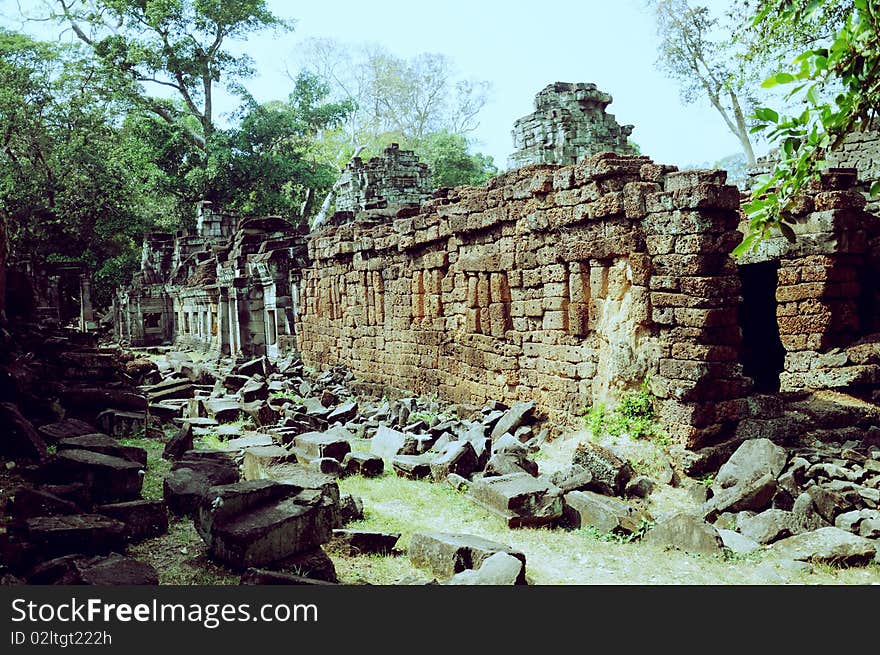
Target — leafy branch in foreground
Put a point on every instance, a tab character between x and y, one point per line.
849	65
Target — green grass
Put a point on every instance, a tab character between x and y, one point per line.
157	467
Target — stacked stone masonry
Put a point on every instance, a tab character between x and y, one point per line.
569	124
563	284
396	179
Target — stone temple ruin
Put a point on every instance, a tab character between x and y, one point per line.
556	285
569	124
563	283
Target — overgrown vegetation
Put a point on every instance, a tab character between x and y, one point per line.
633	416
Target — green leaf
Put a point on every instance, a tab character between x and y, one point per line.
875	188
766	114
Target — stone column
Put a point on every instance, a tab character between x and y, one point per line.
86	314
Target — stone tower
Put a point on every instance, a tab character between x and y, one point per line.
397	179
569	123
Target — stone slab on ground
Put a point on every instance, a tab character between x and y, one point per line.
193	474
364	464
412	467
445	554
261	577
28	502
109	478
365	542
87	534
106	445
117	570
388	443
605	513
513	418
688	533
457	457
828	545
499	569
143	519
69	427
518	498
306	478
738	543
319	444
260	460
258	522
181	442
610	472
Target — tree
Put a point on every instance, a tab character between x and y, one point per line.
451	164
179	45
67	192
693	53
836	81
405	101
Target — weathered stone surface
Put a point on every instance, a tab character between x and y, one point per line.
829	503
388	444
317	444
75	533
70	427
573	478
192	476
499	569
109	478
343	413
181	442
117	570
28	502
606	514
738	543
121	424
366	542
805	515
143	519
751	461
446	554
314	564
748	495
457	457
413	467
258	522
260	577
506	463
640	486
512	419
610	472
101	443
19	439
518	498
259	461
351	508
768	526
828	545
369	466
170	389
688	533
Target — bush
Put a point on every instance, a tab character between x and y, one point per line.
634	415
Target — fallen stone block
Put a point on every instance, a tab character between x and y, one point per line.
365	542
101	443
351	508
261	577
506	463
121	424
180	443
260	460
143	519
254	389
19	438
573	478
610	472
70	427
258	522
828	545
499	569
170	389
109	478
388	443
364	464
86	534
319	444
518	498
457	457
343	413
305	478
261	413
258	366
738	543
605	513
223	410
117	570
28	502
754	495
445	554
413	467
829	503
688	533
768	526
512	419
191	477
327	466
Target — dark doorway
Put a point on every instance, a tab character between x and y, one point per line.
763	356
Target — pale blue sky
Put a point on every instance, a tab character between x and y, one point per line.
520	46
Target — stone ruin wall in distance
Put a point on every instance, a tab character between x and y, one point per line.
565	285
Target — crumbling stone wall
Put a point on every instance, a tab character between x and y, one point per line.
861	150
563	284
569	124
397	178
